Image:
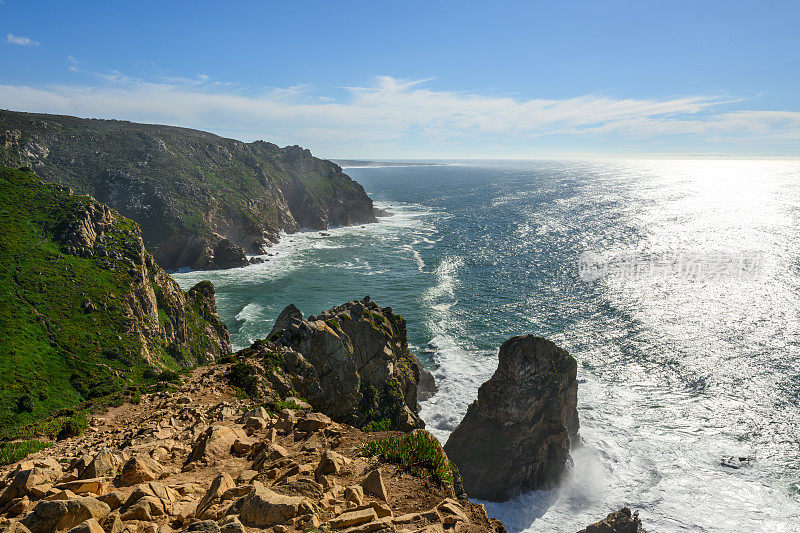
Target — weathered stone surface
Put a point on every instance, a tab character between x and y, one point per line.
149	500
105	464
265	508
353	518
216	443
517	435
622	521
88	526
219	485
140	469
331	463
373	484
62	515
99	485
16	527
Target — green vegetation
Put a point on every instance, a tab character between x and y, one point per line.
332	323
11	452
244	376
384	424
380	408
419	453
68	338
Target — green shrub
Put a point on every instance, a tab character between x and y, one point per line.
419	453
73	426
244	376
332	323
12	452
384	424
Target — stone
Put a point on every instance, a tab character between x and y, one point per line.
113	499
219	485
331	463
265	508
353	518
354	494
517	435
271	452
216	443
622	521
140	469
94	486
88	526
148	500
59	515
232	524
313	422
373	484
105	464
27	481
207	526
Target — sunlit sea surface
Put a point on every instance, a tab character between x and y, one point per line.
683	318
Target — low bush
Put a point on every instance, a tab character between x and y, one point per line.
12	452
419	453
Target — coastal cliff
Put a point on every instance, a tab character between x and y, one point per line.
202	201
85	311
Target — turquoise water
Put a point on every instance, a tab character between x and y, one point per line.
685	326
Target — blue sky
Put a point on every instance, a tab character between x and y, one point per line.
423	79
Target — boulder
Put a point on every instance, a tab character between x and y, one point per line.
517	435
622	521
214	493
62	515
105	464
88	526
149	500
265	508
216	443
140	469
373	484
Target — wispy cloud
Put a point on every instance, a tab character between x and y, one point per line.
21	40
390	115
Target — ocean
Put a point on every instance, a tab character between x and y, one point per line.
675	285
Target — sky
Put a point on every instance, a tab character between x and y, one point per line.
428	79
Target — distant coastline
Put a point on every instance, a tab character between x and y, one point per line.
365	163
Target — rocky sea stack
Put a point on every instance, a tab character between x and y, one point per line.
201	200
517	435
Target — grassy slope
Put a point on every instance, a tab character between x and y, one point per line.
53	354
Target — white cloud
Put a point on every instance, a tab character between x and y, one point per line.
21	40
392	115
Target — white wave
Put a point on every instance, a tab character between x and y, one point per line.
249	312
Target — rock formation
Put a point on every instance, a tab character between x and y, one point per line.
622	521
202	201
517	435
199	459
351	362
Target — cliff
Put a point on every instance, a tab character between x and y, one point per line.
517	435
201	200
86	315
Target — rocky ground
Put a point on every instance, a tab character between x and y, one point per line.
199	459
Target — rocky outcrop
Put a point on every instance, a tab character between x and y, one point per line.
202	201
350	362
517	435
299	472
622	521
360	354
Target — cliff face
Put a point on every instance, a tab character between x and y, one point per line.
202	201
85	311
517	435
